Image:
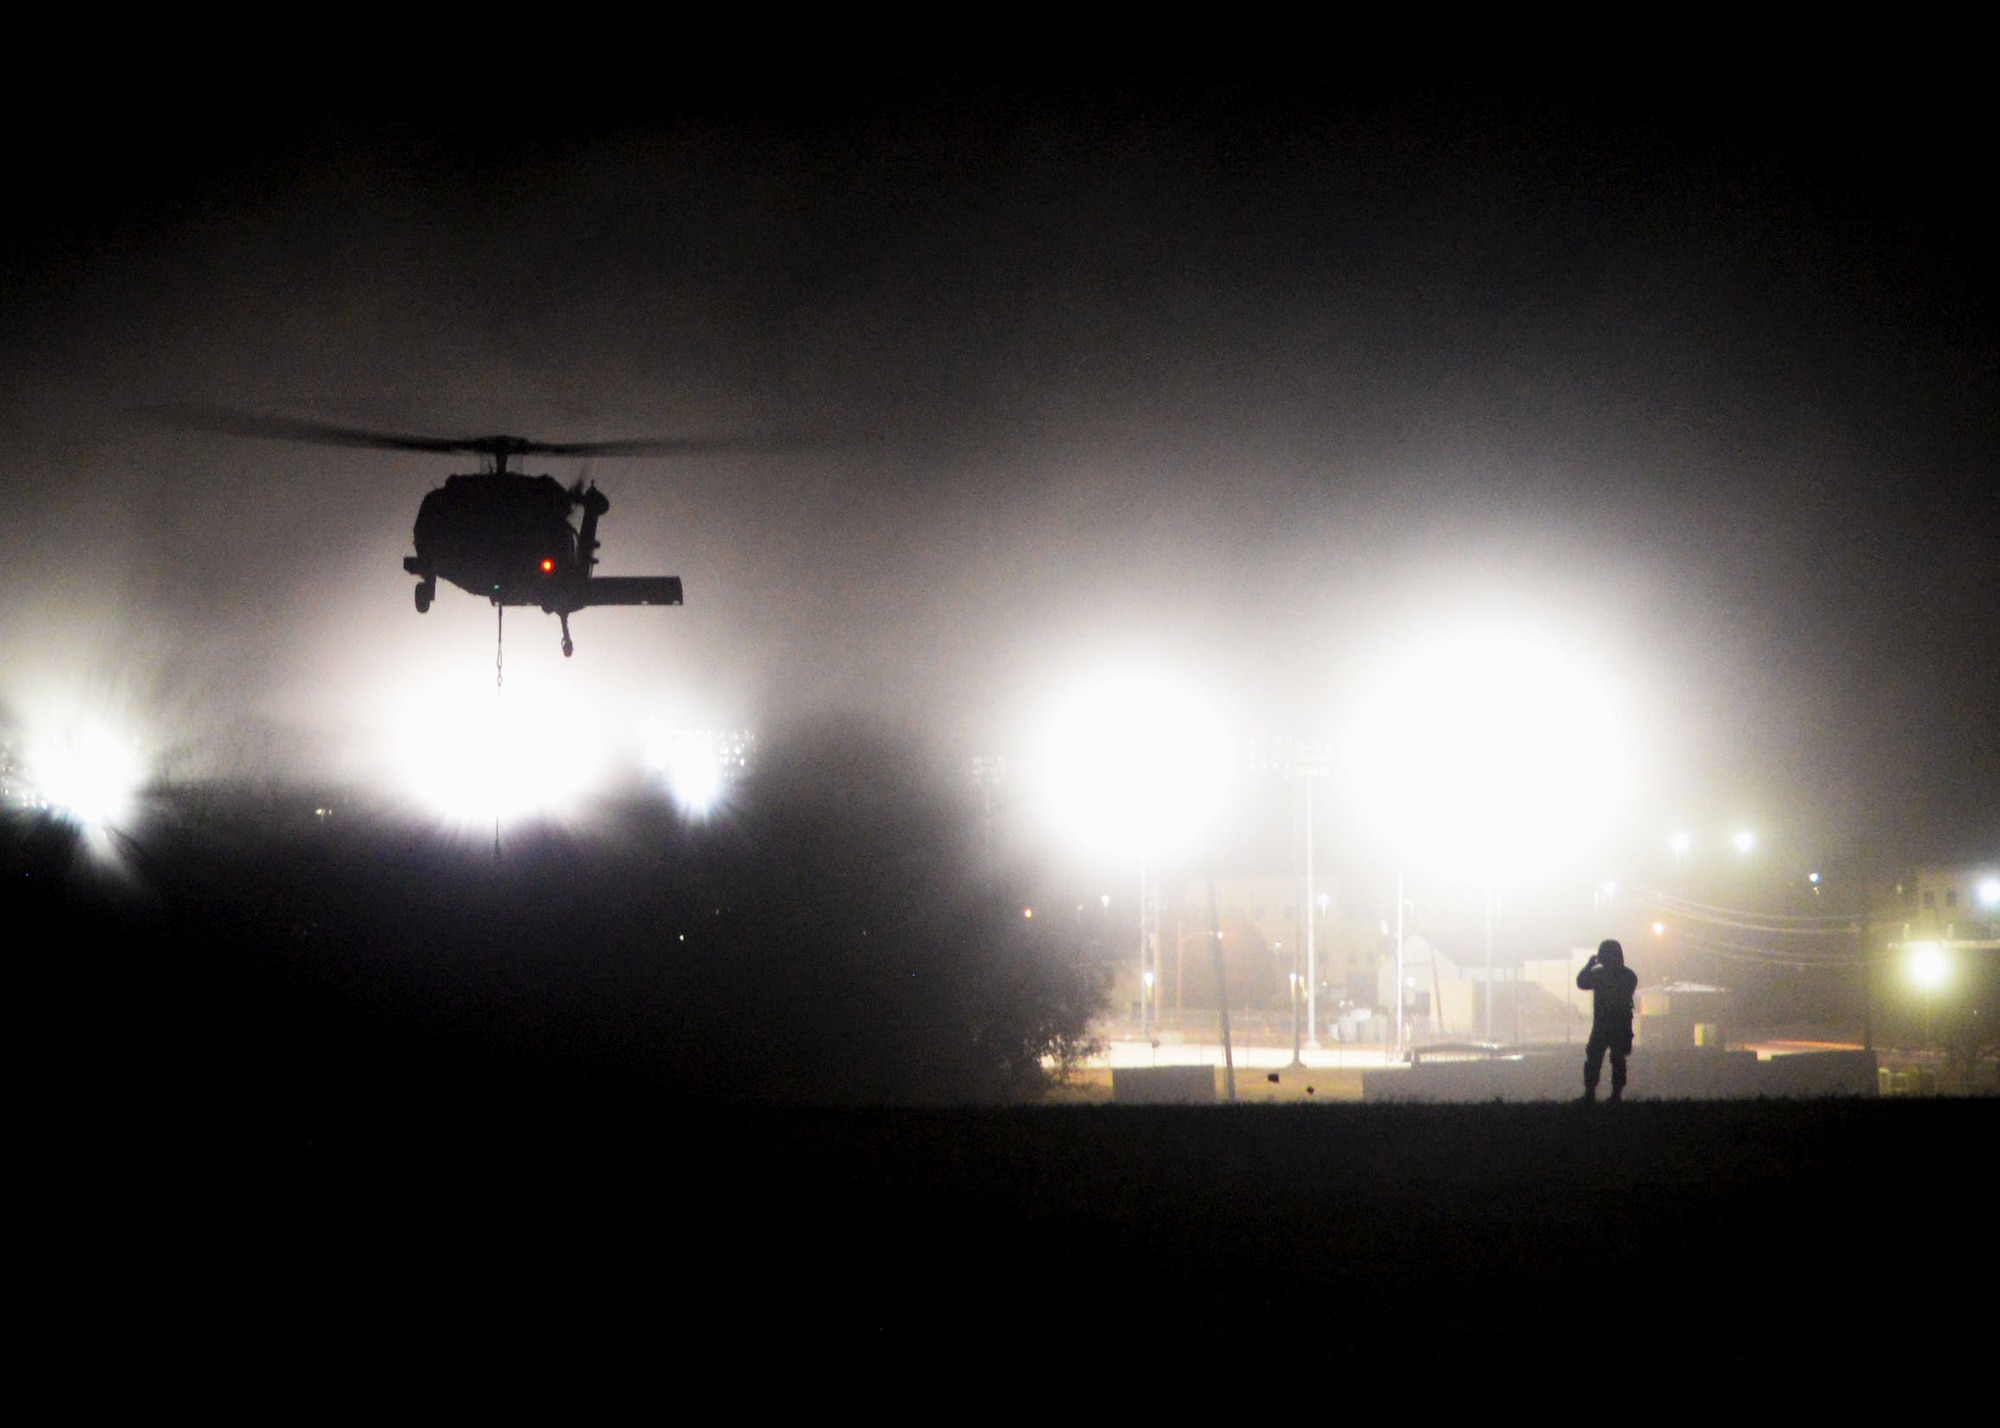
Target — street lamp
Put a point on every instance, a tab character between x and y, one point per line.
1928	968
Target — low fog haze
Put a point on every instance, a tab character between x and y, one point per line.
1246	390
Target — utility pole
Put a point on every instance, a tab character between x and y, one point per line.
1221	990
1305	760
1399	964
1149	997
1489	963
1312	958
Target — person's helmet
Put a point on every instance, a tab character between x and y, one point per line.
1610	951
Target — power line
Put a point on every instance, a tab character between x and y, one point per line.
1746	952
1746	920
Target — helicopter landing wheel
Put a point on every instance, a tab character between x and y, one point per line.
426	592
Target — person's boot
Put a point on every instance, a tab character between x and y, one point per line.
1617	1094
1589	1097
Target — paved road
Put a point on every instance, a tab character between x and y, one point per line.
1259	1058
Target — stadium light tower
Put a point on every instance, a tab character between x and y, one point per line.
1489	754
1307	762
87	774
82	770
1136	767
698	765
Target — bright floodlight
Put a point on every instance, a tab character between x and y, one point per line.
1488	754
1744	841
1135	767
697	763
88	774
1680	843
1928	967
1989	892
477	755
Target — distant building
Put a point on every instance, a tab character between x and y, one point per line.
1264	923
1941	902
1684	1014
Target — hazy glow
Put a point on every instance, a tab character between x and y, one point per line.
1680	843
474	754
87	772
1989	892
1928	967
696	764
1744	841
1488	754
1134	766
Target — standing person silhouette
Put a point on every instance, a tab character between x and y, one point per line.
1611	985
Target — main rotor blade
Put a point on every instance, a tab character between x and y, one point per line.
225	421
652	446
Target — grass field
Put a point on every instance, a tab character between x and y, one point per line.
1348	1237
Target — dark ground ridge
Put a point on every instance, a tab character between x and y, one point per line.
1341	1235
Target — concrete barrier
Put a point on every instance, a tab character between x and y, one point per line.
1693	1074
1163	1085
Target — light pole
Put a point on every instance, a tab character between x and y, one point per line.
1306	761
1929	968
1489	961
1486	786
1312	946
1399	964
1135	767
1149	970
988	773
1322	901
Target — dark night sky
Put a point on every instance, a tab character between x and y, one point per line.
1242	375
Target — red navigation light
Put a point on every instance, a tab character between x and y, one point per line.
547	566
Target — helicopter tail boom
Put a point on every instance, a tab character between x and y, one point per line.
628	590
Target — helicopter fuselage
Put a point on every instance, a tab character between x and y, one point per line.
506	536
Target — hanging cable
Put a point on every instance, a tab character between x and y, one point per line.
499	651
1747	952
1687	907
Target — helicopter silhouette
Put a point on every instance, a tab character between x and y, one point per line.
499	533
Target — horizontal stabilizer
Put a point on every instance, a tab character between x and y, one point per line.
631	590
